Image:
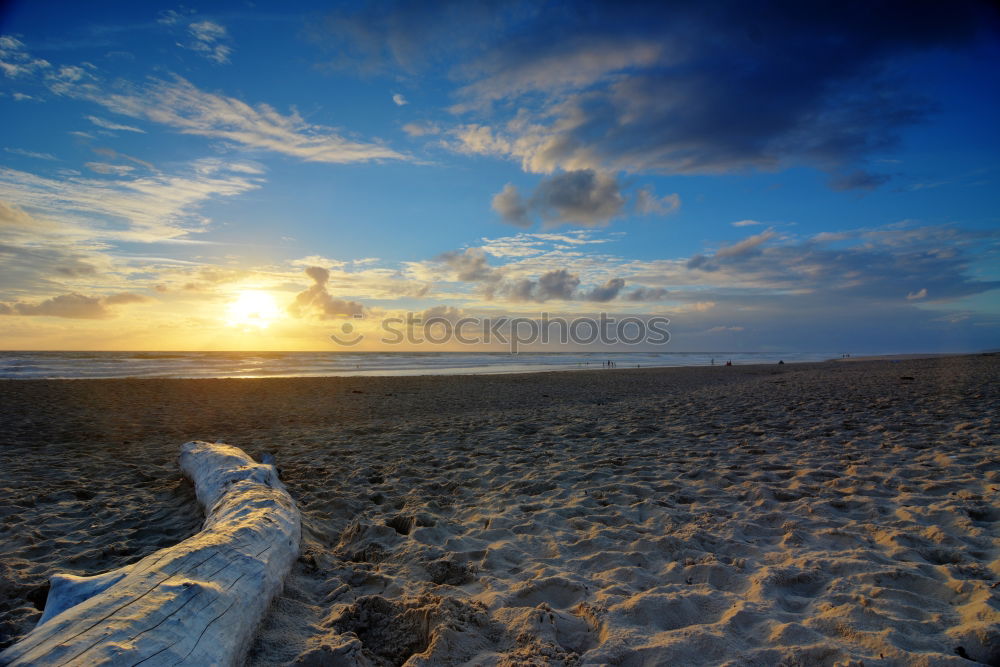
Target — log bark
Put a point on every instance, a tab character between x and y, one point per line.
197	602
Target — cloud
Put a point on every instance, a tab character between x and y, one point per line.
647	203
207	39
441	312
153	208
912	296
73	306
584	197
572	62
747	246
421	129
377	37
555	284
511	207
108	125
15	61
863	267
105	168
112	154
469	265
12	216
399	100
525	244
182	106
31	154
606	292
317	301
746	223
647	294
687	89
581	197
170	17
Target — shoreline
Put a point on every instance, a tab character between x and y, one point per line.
814	512
477	370
109	365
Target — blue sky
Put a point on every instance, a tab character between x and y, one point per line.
821	177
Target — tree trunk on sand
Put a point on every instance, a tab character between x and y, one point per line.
198	602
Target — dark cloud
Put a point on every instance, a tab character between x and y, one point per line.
557	284
512	207
73	305
317	301
646	294
469	265
679	87
583	197
872	265
605	292
748	246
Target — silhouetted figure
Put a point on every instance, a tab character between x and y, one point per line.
781	362
729	363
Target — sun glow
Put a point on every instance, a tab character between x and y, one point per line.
252	310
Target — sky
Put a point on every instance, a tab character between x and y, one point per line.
770	176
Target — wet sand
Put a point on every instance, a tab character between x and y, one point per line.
803	514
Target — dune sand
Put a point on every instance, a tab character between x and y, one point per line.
827	514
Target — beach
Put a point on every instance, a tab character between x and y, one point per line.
815	514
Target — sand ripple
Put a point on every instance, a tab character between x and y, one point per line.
827	515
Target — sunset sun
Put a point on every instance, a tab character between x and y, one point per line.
252	310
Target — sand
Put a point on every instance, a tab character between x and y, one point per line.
815	514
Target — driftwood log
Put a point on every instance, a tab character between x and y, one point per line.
196	603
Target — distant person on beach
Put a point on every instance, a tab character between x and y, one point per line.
781	362
729	363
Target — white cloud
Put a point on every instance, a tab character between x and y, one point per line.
399	100
207	38
108	125
105	168
31	154
421	129
151	208
15	61
181	105
913	296
746	223
647	203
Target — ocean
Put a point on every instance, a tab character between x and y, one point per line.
53	365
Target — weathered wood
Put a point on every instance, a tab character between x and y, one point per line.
195	603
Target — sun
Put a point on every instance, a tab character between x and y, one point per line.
252	310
